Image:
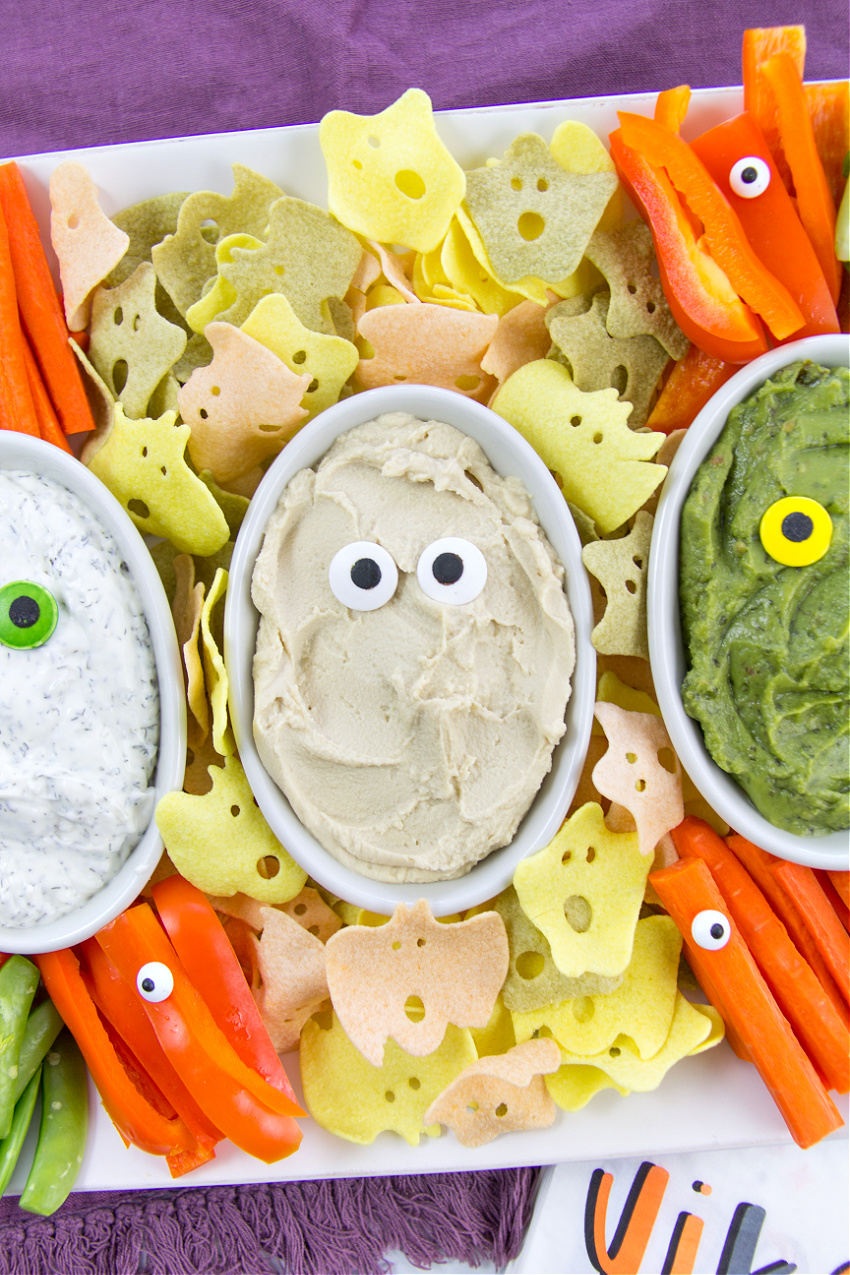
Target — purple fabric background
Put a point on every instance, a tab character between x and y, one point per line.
81	74
84	74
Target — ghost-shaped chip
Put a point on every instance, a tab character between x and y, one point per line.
632	772
293	982
409	979
429	345
87	244
499	1094
621	565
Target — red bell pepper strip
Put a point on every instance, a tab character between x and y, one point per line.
724	235
703	301
770	221
134	1114
237	1099
211	963
730	978
815	203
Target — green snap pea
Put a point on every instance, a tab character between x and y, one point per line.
10	1148
43	1026
62	1133
18	981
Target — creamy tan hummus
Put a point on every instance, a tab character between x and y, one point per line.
410	739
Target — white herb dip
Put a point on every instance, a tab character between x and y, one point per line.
79	715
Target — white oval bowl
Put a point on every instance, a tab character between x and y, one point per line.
509	454
666	648
21	452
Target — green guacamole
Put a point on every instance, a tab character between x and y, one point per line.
767	643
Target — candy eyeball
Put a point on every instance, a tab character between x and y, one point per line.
796	531
452	570
363	576
749	177
155	982
28	615
711	930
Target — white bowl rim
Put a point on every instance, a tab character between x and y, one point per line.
492	874
25	453
666	651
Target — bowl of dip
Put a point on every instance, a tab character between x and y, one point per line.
747	602
93	702
426	702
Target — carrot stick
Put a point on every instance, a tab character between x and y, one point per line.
815	203
742	996
16	406
841	881
833	942
41	311
48	422
792	981
757	862
687	389
836	902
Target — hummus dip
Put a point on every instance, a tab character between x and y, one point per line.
765	627
410	738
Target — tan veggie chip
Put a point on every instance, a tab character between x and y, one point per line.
87	244
500	1094
411	977
633	773
429	345
346	1095
293	984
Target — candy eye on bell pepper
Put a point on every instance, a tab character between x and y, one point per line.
723	233
703	301
769	218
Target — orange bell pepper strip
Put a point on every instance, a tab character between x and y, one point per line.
671	107
211	963
732	981
815	203
759	44
793	982
724	235
137	1117
701	297
240	1102
770	220
829	111
691	383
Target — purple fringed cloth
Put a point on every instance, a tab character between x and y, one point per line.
308	1228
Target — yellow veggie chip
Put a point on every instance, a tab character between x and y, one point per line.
346	1095
584	891
390	177
215	673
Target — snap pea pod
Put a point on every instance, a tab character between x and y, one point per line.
18	981
43	1026
10	1148
62	1133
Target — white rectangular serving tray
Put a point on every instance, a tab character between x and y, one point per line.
709	1101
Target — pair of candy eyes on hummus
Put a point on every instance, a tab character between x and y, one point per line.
363	575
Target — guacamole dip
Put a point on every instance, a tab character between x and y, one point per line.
767	642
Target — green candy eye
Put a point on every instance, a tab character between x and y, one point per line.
28	615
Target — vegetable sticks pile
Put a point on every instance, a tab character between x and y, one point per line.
41	388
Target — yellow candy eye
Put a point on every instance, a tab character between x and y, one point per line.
796	531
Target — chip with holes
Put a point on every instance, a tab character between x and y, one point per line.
310	911
221	842
347	1096
521	337
293	984
409	979
640	1008
626	258
428	345
185	260
498	1036
535	218
306	255
390	177
584	891
326	360
465	272
499	1094
242	407
87	244
215	673
142	463
694	1028
597	360
534	979
620	565
148	223
605	468
632	772
130	343
572	1087
186	610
